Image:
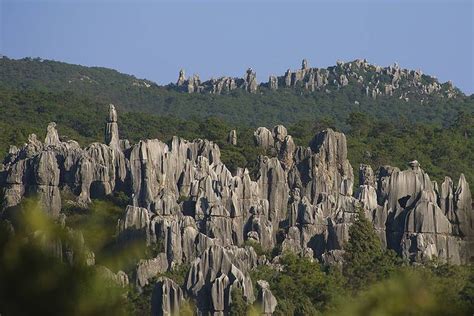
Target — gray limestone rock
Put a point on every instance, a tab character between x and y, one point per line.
366	175
266	299
182	195
250	81
273	83
464	211
148	268
167	297
52	137
232	138
264	138
111	129
181	78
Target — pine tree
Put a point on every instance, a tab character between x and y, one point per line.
365	261
238	306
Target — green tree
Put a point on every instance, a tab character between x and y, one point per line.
364	260
238	306
359	123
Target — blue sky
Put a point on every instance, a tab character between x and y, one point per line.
154	39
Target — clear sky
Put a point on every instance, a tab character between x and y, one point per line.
154	39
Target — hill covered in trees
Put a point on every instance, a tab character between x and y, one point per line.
386	130
344	88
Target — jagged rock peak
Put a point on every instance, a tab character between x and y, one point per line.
52	137
181	78
167	298
374	80
111	129
304	64
232	137
266	299
112	114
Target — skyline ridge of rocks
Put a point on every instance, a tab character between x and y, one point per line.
375	80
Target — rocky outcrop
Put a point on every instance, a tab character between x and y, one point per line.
190	209
273	83
167	297
212	275
266	300
148	268
232	138
375	81
250	81
111	129
120	278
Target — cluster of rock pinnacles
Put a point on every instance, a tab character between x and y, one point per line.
374	80
184	197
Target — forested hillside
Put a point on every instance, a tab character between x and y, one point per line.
266	107
387	130
441	150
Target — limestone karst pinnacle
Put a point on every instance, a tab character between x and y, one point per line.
184	196
374	80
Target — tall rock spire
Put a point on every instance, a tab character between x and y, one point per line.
52	137
111	128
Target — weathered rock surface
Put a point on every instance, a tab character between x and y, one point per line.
167	298
186	203
232	138
266	299
376	81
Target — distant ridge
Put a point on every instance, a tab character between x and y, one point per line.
373	80
384	93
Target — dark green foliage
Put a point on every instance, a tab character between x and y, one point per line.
414	291
139	303
441	152
265	108
365	261
257	247
302	287
238	306
178	273
34	281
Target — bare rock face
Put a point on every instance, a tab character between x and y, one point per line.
46	181
111	130
266	299
146	269
273	187
264	138
366	175
327	168
52	137
463	201
273	83
181	78
212	275
167	298
232	138
250	81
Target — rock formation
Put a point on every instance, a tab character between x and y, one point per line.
186	203
166	298
232	138
374	80
266	299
